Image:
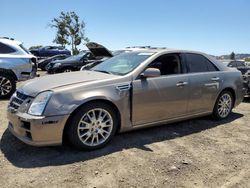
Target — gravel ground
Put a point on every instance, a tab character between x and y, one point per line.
195	153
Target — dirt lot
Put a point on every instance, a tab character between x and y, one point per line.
196	153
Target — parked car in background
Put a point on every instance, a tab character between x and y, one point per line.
97	53
48	51
114	53
69	64
244	69
240	65
44	62
129	91
16	64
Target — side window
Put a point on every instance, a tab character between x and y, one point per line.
240	64
90	56
199	63
211	67
4	49
168	64
232	64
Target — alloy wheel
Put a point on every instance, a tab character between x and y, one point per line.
5	86
95	127
224	105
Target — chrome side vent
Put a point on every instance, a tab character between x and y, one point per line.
124	87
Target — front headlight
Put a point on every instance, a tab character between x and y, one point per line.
39	103
57	65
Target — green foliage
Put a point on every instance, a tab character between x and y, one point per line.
70	30
232	56
247	59
35	47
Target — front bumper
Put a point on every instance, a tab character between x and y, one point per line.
54	70
37	131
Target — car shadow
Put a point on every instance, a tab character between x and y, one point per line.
4	100
25	156
246	100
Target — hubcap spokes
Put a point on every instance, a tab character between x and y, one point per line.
95	127
5	86
224	105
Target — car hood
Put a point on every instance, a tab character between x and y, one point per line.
50	82
98	50
65	61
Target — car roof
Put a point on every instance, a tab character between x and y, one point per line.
158	50
10	41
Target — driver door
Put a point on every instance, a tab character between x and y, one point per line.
161	98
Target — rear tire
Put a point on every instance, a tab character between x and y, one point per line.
67	70
223	106
7	85
93	126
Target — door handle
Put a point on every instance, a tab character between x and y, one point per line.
179	84
215	79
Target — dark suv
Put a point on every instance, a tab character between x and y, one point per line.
49	51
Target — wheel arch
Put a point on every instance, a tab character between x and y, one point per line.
10	72
231	90
67	124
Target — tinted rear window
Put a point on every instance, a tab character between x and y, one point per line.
4	49
232	64
240	64
199	63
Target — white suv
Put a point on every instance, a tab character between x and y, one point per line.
16	63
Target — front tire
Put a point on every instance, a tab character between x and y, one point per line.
67	70
93	126
7	85
223	106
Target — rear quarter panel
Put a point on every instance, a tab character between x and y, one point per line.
233	79
17	65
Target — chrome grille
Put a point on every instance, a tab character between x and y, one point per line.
21	96
17	100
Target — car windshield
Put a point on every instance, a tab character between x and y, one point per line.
117	52
122	64
76	57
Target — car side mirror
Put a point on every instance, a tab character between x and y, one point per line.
151	72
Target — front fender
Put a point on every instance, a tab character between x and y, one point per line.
65	103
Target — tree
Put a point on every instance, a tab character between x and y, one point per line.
35	47
247	59
70	30
232	56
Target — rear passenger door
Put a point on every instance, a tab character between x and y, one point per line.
204	80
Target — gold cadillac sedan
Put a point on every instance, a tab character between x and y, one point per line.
136	89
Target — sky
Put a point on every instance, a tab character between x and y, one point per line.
213	26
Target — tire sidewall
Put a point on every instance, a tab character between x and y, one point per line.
72	131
